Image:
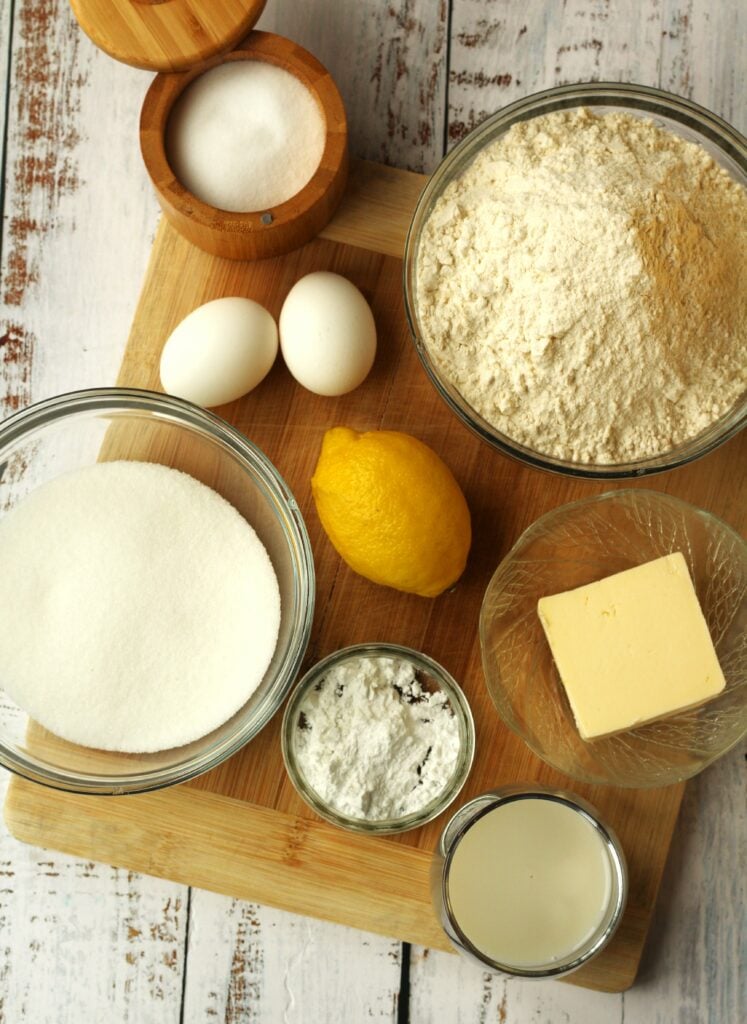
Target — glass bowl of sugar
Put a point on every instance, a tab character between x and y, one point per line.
574	280
378	738
157	591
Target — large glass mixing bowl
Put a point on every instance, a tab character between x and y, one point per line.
725	144
71	431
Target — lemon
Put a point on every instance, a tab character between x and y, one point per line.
392	509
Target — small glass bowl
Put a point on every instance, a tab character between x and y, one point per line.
682	117
75	430
577	544
426	668
463	821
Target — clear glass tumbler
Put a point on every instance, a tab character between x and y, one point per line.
529	885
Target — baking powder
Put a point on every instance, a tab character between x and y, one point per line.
373	742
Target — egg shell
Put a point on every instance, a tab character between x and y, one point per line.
219	352
327	334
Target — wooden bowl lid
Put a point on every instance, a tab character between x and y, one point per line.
166	35
261	233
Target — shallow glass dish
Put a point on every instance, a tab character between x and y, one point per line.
578	544
75	430
726	145
433	677
470	814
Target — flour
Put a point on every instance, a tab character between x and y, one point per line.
373	742
583	285
139	609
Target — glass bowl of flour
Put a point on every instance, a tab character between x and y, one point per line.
157	591
378	738
575	280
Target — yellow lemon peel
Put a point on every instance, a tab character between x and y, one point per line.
392	509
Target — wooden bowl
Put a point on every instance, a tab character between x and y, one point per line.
262	233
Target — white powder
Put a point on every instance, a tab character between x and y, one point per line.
140	610
245	136
373	742
583	285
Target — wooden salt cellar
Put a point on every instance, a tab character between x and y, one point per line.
186	38
250	236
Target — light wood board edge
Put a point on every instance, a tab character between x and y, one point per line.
377	208
374	214
237	849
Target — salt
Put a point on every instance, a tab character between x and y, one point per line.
140	609
245	136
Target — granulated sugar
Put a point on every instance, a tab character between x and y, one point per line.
140	610
245	136
583	284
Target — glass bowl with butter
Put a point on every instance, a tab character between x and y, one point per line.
594	680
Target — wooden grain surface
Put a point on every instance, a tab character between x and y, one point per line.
166	36
77	229
381	885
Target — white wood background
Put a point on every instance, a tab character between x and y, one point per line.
87	942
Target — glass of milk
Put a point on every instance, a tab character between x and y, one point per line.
528	881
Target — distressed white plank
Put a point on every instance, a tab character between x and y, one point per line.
82	941
74	181
504	50
80	215
464	994
249	964
695	966
5	44
389	62
5	32
703	55
78	941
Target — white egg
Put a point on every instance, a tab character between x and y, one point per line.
219	351
327	334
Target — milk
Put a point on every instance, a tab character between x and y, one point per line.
529	882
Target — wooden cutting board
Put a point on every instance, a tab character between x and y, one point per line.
241	829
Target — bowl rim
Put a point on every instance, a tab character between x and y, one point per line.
648	100
624	494
485	803
271	483
460	706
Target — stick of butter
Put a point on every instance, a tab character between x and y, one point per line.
632	648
